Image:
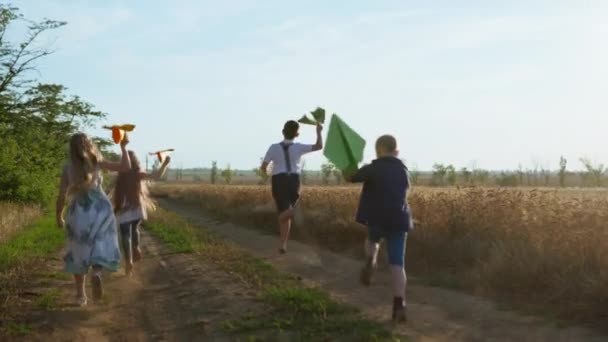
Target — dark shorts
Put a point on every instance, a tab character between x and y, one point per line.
395	243
285	190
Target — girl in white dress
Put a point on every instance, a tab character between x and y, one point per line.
131	203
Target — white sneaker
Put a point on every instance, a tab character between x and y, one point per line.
81	301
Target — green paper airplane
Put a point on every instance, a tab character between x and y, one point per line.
318	117
344	147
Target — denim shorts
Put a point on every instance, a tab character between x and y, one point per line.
395	243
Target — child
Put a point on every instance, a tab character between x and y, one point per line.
383	208
131	202
89	223
286	157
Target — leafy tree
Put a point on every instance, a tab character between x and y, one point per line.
338	176
451	175
327	169
466	175
227	174
264	177
414	175
36	120
594	172
438	177
214	172
563	163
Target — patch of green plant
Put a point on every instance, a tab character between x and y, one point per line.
48	300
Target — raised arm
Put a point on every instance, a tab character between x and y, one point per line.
357	175
319	144
125	162
158	173
60	203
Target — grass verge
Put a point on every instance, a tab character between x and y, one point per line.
303	313
18	256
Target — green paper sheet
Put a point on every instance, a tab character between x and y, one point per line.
307	121
343	147
319	115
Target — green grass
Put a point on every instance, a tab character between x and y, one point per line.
302	313
17	329
17	255
39	240
49	300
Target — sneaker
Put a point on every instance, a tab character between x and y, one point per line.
136	254
282	251
81	301
399	311
367	273
97	287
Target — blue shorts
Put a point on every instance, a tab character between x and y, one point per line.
395	243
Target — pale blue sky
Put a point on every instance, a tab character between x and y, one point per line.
494	83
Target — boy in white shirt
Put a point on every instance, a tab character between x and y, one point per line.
286	158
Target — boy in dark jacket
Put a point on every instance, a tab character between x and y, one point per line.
384	210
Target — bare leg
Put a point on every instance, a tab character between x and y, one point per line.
371	253
284	228
81	296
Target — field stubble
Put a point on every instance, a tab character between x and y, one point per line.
544	250
14	216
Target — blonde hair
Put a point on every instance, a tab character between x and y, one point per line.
84	159
131	191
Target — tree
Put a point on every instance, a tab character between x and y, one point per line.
338	176
327	169
438	177
227	174
262	175
451	175
414	175
214	172
36	120
594	172
563	163
304	173
466	175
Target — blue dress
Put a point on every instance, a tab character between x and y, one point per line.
91	232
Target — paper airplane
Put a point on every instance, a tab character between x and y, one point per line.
118	131
344	147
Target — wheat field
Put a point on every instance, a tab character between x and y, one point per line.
14	216
534	247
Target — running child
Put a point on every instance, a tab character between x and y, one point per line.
131	203
384	210
286	158
89	223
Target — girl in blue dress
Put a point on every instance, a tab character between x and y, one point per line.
89	221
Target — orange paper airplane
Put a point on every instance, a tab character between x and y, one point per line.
161	154
118	131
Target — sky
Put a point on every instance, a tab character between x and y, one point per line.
489	84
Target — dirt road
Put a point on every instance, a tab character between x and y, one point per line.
434	314
171	297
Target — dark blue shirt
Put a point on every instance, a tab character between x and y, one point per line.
383	202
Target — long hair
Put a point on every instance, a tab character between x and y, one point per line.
84	158
131	191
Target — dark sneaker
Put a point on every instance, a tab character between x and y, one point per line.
367	273
97	287
399	311
282	251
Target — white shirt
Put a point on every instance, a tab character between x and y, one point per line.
132	214
276	155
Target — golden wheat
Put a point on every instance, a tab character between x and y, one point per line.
15	216
547	247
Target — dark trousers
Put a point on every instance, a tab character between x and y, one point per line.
129	233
